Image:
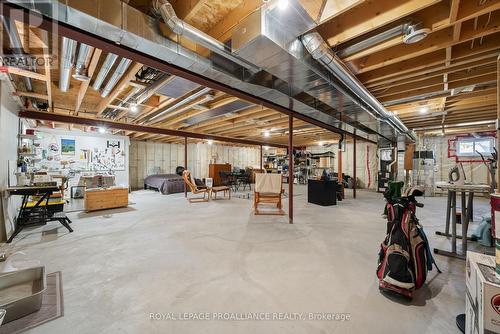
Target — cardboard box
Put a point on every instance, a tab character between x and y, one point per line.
482	301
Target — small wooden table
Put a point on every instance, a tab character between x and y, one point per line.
466	216
106	198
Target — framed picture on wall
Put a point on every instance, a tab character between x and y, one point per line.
67	146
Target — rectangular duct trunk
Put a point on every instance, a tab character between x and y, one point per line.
269	38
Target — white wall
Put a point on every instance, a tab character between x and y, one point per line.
144	156
362	165
122	176
8	152
475	172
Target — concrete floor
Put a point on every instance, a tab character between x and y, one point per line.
164	255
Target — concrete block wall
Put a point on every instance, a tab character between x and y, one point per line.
145	156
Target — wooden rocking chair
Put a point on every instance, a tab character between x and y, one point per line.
186	175
268	189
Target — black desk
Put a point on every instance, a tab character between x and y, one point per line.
322	192
35	215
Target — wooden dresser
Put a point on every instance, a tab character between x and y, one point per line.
106	198
214	169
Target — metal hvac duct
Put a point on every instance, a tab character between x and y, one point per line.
113	113
372	40
138	96
16	46
263	86
187	106
178	26
274	32
406	30
320	51
229	108
80	69
119	72
68	49
105	68
178	104
147	92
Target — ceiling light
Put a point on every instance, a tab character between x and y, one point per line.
267	134
282	4
266	148
321	143
424	109
101	130
133	107
210	142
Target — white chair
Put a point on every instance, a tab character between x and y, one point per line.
268	189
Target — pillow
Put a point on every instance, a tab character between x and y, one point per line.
199	183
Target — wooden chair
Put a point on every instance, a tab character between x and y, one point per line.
268	189
186	175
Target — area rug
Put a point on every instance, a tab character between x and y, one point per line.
52	308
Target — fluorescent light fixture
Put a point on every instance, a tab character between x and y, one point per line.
210	142
424	109
267	133
101	130
282	4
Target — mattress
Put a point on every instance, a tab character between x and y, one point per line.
165	183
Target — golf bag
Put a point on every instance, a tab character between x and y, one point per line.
405	256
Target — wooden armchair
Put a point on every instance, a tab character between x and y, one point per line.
186	175
268	189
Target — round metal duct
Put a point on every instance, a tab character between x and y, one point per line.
415	33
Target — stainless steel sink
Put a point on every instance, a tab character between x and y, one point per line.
21	292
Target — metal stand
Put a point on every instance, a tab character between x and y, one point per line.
30	216
465	219
37	214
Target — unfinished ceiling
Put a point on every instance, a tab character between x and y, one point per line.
447	78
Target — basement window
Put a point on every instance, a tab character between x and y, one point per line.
469	147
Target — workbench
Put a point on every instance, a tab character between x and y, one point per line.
30	215
466	215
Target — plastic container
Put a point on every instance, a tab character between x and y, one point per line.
21	292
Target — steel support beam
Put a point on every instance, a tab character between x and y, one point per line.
339	172
498	119
60	118
290	169
261	157
185	163
354	165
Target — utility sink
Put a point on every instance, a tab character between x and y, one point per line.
21	292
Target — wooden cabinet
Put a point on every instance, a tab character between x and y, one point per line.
105	198
214	169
